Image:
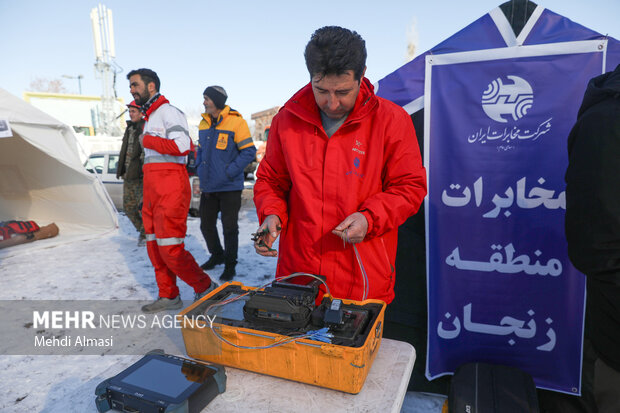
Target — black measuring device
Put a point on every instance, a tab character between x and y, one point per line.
161	383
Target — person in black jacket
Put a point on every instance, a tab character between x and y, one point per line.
130	168
593	234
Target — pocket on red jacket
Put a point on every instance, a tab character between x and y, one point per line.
379	268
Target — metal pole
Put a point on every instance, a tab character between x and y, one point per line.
79	79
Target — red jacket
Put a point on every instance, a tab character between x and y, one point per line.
372	164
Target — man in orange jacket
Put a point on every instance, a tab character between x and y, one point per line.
341	172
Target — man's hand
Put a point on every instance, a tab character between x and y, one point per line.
266	235
353	229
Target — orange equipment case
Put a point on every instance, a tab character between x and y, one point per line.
322	364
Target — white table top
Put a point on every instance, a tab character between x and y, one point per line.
383	391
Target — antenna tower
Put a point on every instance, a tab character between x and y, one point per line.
105	67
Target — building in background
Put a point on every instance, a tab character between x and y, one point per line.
83	114
262	123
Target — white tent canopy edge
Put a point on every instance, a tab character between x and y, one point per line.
42	178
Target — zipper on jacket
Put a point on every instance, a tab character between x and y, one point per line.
313	149
387	258
391	275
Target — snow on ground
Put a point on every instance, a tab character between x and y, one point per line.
109	267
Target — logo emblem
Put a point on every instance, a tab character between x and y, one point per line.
222	141
507	98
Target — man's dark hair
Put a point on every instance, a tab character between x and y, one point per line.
334	50
147	76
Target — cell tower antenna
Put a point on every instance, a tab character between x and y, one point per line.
105	67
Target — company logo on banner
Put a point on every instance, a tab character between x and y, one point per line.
501	99
501	288
504	101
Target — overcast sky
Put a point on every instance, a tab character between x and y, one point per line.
254	49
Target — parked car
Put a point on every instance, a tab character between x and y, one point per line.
106	164
194	181
195	203
261	146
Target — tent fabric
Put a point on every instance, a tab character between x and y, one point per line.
42	178
405	86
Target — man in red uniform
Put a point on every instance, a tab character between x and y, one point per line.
341	172
166	194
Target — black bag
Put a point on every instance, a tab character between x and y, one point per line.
491	388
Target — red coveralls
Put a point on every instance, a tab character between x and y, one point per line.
166	199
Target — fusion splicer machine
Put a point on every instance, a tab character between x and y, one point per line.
161	383
289	309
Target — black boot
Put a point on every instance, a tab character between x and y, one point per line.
229	272
212	262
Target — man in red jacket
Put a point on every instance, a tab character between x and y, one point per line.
341	172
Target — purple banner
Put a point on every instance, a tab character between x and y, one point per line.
501	288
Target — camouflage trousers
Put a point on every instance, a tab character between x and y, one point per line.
132	197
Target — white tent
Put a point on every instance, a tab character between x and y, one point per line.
42	178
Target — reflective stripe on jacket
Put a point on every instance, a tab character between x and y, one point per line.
166	136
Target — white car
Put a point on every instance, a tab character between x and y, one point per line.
106	164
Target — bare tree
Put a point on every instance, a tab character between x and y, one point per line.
41	84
